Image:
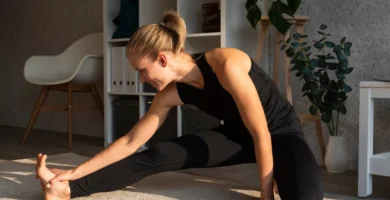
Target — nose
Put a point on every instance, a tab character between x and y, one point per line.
141	78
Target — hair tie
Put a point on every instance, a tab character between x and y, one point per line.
163	24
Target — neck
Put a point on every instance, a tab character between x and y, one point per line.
188	72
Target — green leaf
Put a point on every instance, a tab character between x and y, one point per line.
306	71
321	33
348	70
329	44
283	47
343	109
317	74
299	66
337	48
332	66
294	5
342	40
326	117
347	88
313	63
307	49
254	12
318	45
288	40
348	45
324	78
290	52
342	96
340	75
313	109
276	16
321	61
250	3
342	58
347	51
323	26
296	36
313	85
329	57
298	74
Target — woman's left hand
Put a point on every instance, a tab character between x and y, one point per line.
63	175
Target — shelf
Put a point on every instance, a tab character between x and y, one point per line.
118	40
132	93
191	35
213	34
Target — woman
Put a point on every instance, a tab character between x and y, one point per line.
260	125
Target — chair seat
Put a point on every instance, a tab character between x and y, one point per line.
43	70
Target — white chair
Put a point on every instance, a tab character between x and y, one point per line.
77	69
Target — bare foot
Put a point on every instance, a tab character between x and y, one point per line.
58	191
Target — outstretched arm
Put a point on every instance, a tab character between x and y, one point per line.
236	81
128	144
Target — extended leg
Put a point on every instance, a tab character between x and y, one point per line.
296	171
204	149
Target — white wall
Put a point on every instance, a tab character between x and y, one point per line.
43	27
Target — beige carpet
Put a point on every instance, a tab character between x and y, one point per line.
17	181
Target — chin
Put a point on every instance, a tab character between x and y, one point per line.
160	87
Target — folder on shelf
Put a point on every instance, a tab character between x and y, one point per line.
130	76
117	75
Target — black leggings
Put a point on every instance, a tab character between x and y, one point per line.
295	169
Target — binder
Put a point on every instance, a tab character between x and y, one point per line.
117	69
114	69
131	80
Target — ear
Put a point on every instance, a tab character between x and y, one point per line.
162	59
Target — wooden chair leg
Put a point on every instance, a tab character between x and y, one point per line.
41	99
70	92
97	99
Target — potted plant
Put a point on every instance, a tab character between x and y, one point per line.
275	13
322	65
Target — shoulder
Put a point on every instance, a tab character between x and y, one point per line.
223	60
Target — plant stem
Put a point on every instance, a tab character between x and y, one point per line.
333	124
337	122
329	128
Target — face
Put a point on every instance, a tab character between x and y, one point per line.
155	73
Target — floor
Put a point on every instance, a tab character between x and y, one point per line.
52	143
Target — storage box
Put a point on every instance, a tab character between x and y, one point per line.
125	115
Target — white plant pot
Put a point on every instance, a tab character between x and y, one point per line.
336	157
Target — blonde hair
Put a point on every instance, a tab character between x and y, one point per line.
151	39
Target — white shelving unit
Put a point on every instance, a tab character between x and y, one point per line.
151	11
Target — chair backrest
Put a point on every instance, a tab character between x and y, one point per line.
91	44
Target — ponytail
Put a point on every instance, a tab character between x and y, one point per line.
176	23
151	39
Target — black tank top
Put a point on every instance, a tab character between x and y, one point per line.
214	100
